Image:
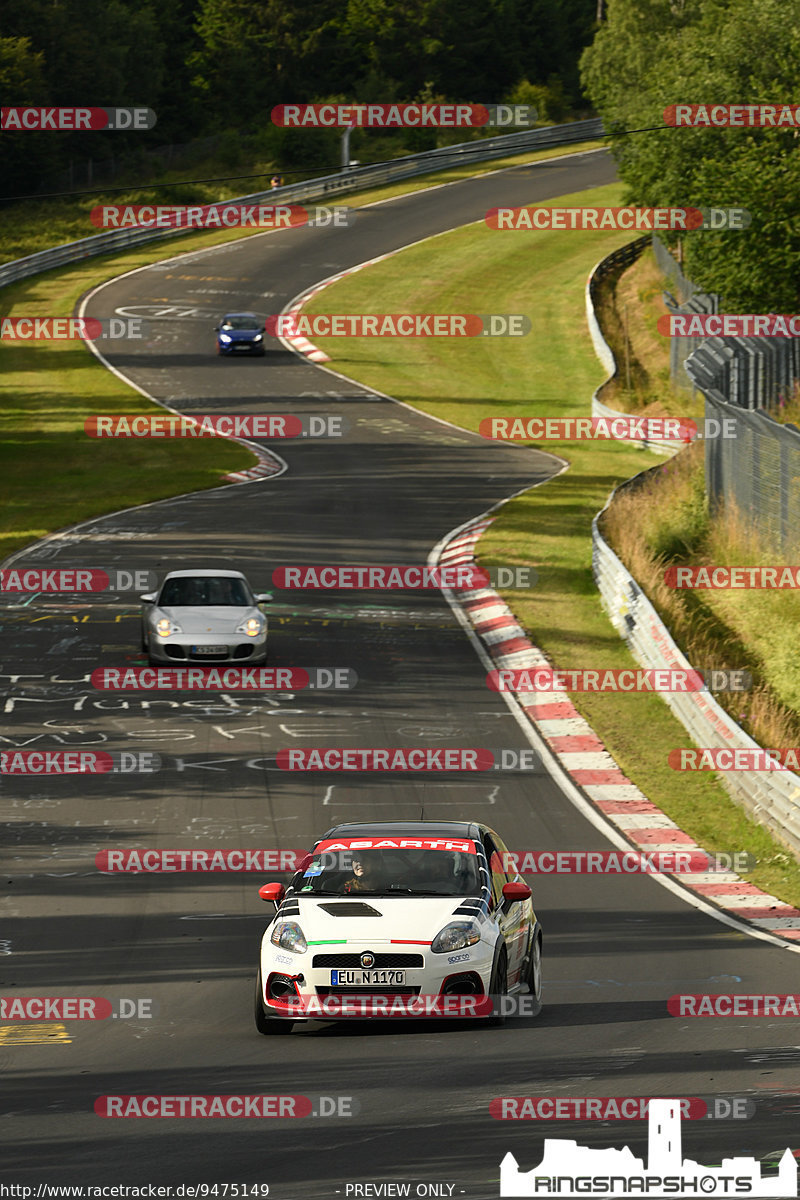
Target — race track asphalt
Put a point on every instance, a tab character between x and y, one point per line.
615	948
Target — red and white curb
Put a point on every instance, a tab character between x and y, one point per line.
584	757
268	464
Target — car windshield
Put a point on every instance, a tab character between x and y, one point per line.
241	323
406	872
202	591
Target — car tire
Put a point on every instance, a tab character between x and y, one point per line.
265	1024
533	976
498	984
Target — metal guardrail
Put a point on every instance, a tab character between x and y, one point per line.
323	188
772	798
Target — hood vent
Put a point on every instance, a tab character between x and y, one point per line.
350	908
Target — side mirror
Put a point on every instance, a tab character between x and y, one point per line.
263	597
272	892
216	327
148	598
516	891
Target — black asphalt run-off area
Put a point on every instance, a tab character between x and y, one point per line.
615	948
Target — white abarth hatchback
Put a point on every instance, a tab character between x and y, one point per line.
394	919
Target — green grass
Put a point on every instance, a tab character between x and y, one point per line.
551	372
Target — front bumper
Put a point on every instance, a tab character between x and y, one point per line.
288	985
236	648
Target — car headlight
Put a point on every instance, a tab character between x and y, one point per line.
253	626
165	627
225	337
289	936
455	936
258	337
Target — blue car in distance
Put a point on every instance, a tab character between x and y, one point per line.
240	333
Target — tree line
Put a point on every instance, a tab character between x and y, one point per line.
650	54
212	66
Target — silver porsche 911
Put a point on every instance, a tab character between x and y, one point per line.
204	616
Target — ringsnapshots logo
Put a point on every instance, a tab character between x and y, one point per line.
24	119
728	116
398	325
67	329
401	577
225	425
75	580
640	220
402	116
568	1169
221	216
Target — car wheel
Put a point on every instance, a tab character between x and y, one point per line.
498	984
265	1024
534	975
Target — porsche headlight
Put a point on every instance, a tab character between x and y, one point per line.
253	626
455	936
165	628
289	936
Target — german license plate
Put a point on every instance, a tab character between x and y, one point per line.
341	978
209	650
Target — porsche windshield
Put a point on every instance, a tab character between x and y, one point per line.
204	591
406	872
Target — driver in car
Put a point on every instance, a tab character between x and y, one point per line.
367	874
